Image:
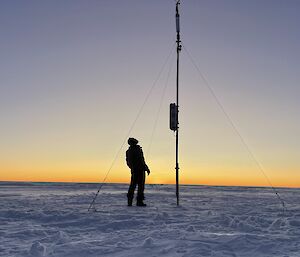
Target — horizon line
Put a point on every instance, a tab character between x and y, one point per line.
186	184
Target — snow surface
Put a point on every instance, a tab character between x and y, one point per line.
51	219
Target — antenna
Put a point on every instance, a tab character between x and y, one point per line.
174	107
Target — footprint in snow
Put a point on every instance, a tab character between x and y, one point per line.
37	249
148	243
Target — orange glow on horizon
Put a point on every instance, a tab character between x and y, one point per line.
92	176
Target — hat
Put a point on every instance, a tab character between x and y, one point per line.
132	141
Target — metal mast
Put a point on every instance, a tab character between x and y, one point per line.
177	96
174	106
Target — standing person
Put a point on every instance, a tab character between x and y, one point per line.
136	162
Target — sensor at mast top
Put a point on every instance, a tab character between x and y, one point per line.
177	18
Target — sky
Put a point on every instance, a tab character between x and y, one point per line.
75	74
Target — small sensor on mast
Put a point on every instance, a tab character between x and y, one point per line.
177	24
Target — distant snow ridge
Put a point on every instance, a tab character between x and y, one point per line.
37	249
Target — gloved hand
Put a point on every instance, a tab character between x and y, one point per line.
148	172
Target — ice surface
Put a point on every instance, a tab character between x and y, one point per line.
51	219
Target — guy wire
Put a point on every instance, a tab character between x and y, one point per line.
131	128
259	165
159	108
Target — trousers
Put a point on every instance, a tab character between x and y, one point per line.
137	178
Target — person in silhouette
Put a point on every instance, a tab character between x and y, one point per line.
136	162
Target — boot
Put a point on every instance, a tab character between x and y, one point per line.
142	204
129	200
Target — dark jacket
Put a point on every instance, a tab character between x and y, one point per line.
135	159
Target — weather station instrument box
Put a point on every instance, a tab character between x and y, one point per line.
173	117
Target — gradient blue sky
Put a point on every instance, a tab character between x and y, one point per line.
73	75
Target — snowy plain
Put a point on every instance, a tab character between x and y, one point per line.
51	219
